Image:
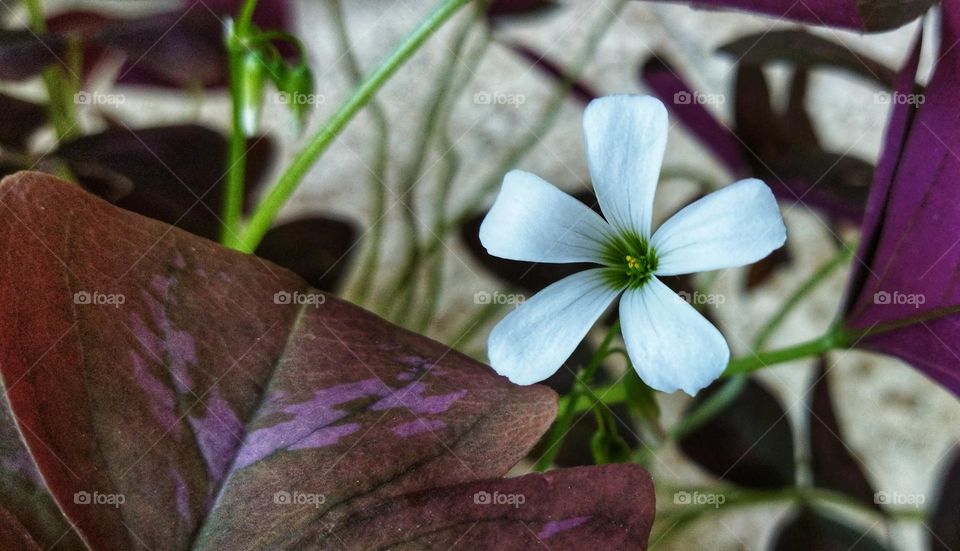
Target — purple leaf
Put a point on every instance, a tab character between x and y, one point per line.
204	398
500	9
906	286
861	15
748	443
24	54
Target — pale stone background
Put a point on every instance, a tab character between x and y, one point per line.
900	423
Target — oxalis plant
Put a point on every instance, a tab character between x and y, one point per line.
184	370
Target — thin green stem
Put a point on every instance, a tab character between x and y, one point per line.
795	299
547	119
377	182
401	295
236	163
265	213
60	97
569	408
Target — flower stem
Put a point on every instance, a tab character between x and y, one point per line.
797	297
265	213
60	101
236	164
569	404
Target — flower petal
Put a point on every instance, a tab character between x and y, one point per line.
670	344
625	138
534	221
734	226
534	340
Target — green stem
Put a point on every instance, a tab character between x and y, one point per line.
834	338
378	177
60	98
401	295
236	163
797	297
266	212
569	408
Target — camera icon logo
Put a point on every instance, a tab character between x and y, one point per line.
82	297
482	498
282	297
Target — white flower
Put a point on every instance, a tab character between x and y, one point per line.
670	344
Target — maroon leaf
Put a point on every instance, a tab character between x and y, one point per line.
554	513
833	464
24	54
749	443
203	398
944	525
27	510
810	531
20	120
861	15
761	271
908	285
317	249
510	8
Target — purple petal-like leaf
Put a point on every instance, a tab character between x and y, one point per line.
860	15
175	394
908	287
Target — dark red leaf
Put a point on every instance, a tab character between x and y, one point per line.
860	15
944	525
317	249
498	9
810	531
223	403
20	120
555	514
749	443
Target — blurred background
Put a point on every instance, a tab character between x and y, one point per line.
501	107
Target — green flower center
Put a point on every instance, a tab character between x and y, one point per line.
630	261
